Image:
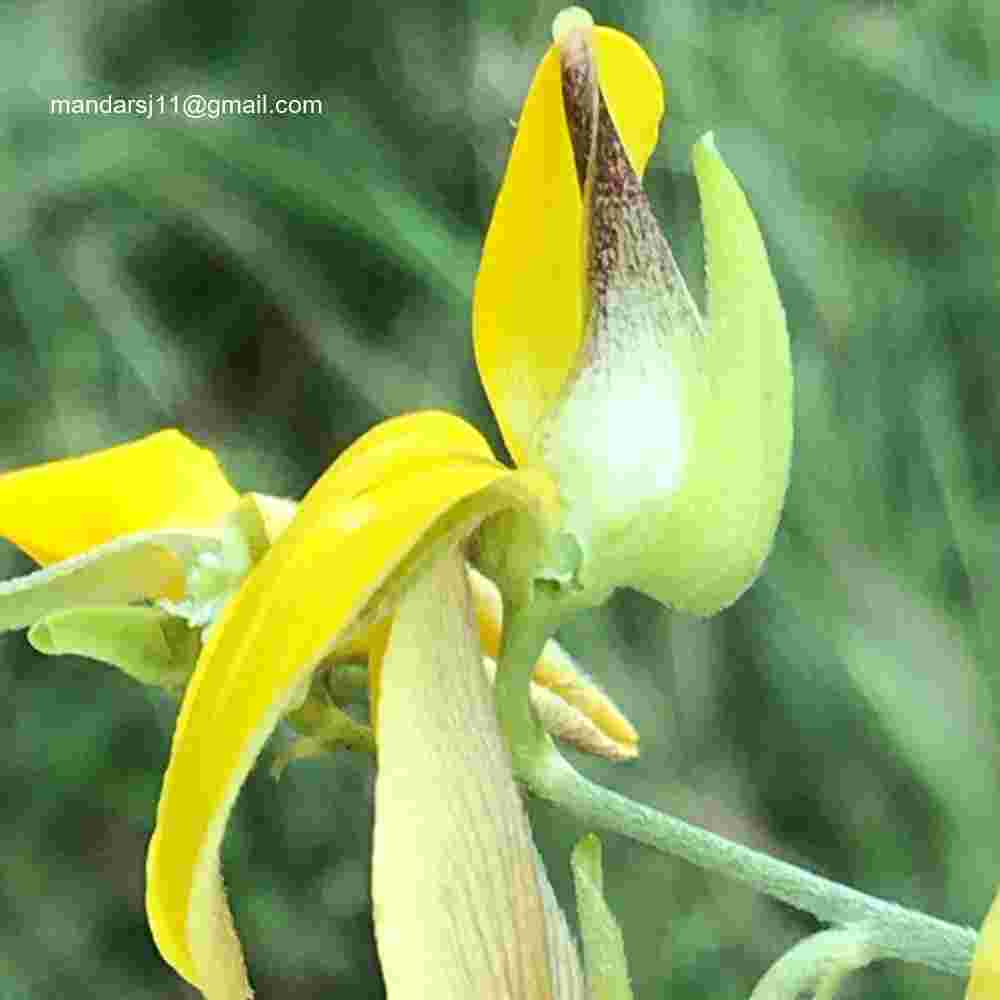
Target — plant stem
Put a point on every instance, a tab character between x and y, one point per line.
526	630
897	932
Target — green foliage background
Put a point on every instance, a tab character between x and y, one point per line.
274	286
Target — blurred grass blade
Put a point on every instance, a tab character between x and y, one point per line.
603	945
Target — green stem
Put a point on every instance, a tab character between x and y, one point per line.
526	630
897	932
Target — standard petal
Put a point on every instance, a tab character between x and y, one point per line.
60	509
459	907
529	297
310	589
985	981
723	518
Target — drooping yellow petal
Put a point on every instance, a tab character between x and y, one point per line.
305	594
460	907
394	445
528	310
985	981
377	638
60	509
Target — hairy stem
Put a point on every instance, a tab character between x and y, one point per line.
896	932
526	630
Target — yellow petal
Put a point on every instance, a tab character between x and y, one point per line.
377	638
403	443
297	603
62	508
528	310
985	981
459	906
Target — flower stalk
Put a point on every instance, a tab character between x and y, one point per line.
526	630
898	932
895	931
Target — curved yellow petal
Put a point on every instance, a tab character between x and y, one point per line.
392	445
528	309
985	981
460	899
308	590
633	91
60	509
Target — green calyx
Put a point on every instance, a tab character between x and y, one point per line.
670	442
146	643
89	604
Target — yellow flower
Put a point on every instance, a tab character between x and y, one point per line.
156	520
649	453
412	489
669	440
183	538
363	536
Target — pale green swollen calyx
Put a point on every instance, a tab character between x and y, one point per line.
671	438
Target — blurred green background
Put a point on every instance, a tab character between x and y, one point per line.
274	286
